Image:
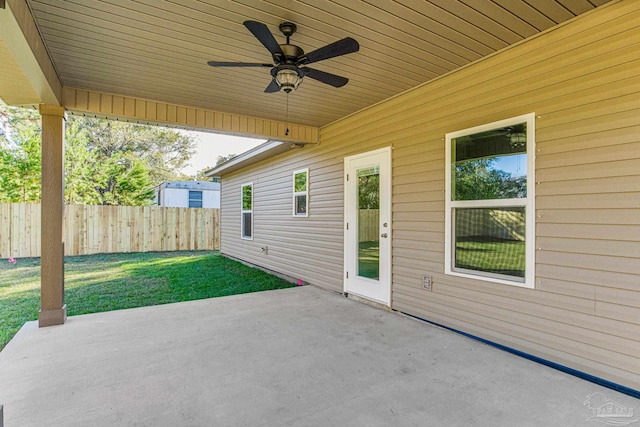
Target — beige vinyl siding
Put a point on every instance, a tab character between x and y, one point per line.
587	207
287	237
292	242
582	80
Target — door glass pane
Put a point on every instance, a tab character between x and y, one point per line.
368	204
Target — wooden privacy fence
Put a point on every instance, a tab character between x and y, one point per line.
111	229
368	225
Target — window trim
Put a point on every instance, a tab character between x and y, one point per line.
243	211
300	193
528	203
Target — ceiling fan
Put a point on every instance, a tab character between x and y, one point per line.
289	61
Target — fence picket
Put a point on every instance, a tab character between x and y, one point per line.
368	225
5	226
109	229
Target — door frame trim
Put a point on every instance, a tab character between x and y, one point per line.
388	151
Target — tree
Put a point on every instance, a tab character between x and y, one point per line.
369	191
111	162
106	176
20	155
128	185
80	168
165	151
477	180
222	159
200	175
106	162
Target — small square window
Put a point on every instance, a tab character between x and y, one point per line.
195	199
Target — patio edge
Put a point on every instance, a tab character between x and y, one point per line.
567	370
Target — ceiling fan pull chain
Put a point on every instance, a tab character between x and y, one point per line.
286	133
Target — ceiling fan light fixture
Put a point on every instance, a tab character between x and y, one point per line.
288	79
517	136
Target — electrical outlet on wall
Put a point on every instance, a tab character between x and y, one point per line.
427	282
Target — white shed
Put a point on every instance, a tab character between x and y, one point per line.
188	194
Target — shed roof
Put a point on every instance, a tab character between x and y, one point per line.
191	185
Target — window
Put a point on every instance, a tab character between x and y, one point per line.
195	199
301	192
246	225
489	219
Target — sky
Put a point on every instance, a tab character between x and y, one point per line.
516	165
210	146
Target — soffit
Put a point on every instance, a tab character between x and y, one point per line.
159	49
14	86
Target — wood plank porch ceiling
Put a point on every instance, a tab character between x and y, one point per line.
159	49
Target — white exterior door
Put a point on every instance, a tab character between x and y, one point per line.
367	242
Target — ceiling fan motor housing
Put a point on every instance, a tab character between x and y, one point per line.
291	54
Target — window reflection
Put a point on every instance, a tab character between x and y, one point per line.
491	165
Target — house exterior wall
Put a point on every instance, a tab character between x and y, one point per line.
582	80
290	240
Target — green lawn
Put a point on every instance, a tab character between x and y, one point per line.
369	260
98	283
492	255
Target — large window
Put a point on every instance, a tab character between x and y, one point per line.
247	211
301	192
195	199
489	202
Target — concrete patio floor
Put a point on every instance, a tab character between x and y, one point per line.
293	357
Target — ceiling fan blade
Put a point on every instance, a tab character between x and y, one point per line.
273	87
324	77
339	48
237	64
262	33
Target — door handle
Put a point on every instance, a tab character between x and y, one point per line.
384	235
